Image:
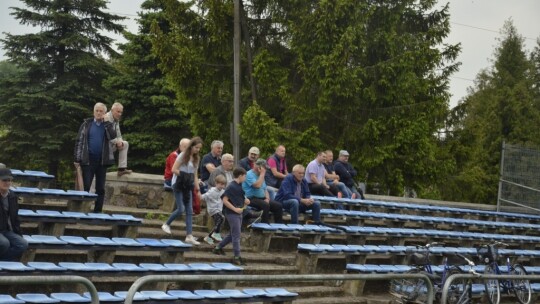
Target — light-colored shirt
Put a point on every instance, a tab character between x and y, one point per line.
188	168
315	168
247	185
212	197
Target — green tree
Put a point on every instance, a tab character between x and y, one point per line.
63	68
500	107
153	122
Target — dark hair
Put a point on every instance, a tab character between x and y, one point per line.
187	153
238	171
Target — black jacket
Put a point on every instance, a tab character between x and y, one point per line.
81	144
13	215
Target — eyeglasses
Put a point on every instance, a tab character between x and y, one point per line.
7	180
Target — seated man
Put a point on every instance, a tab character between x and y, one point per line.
315	177
255	188
248	162
12	244
347	173
295	197
225	169
333	178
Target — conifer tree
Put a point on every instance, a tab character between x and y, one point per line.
63	65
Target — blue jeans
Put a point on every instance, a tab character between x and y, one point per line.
235	225
180	207
99	171
12	246
294	207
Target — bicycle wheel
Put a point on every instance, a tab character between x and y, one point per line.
460	290
493	292
522	287
409	290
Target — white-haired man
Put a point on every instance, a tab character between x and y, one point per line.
118	143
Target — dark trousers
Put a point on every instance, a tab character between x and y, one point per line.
235	225
218	219
318	189
99	171
273	206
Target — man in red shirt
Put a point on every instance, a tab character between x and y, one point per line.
184	142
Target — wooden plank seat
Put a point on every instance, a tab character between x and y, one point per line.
51	222
357	218
429	209
247	295
79	201
356	235
102	249
308	254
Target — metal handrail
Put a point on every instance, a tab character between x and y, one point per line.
453	277
62	279
281	278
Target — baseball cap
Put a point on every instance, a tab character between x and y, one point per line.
261	162
344	152
254	150
5	173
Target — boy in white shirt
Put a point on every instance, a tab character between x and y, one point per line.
214	207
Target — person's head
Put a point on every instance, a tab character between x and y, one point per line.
343	156
5	180
217	147
298	171
227	161
100	109
117	109
239	174
253	154
220	181
280	151
192	151
183	144
329	156
321	158
259	165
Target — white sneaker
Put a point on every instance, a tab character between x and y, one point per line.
217	236
209	240
191	240
166	228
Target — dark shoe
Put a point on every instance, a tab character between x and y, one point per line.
124	172
238	261
218	251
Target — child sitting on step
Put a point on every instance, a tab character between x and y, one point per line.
214	207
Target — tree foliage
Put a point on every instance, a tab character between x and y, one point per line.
62	68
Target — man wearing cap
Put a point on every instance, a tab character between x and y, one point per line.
255	189
346	172
248	162
225	169
295	197
12	244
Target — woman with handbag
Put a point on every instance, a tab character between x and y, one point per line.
183	182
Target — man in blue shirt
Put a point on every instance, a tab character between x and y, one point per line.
255	188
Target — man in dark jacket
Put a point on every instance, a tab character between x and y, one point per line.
93	153
12	244
347	173
295	197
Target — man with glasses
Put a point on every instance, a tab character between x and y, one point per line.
249	161
295	197
12	244
225	169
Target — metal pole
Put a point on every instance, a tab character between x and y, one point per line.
236	50
60	279
501	176
274	278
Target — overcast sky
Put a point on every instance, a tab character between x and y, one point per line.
475	24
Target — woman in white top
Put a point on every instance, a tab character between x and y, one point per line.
186	162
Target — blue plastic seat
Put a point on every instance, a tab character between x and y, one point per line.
102	241
100	216
55	192
76	240
75	266
175	243
50	213
202	267
46	266
37	174
36	298
210	294
128	267
26	190
227	267
152	242
126	217
74	214
15	266
258	292
234	294
178	267
48	239
7	299
262	226
82	194
127	242
137	297
101	266
158	295
27	212
69	297
104	297
185	295
282	292
309	247
154	267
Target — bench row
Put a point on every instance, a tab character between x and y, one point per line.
383	268
68	268
419	208
31	175
53	193
250	295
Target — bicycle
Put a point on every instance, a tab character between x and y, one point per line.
521	288
415	290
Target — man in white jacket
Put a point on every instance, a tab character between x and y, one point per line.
118	144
